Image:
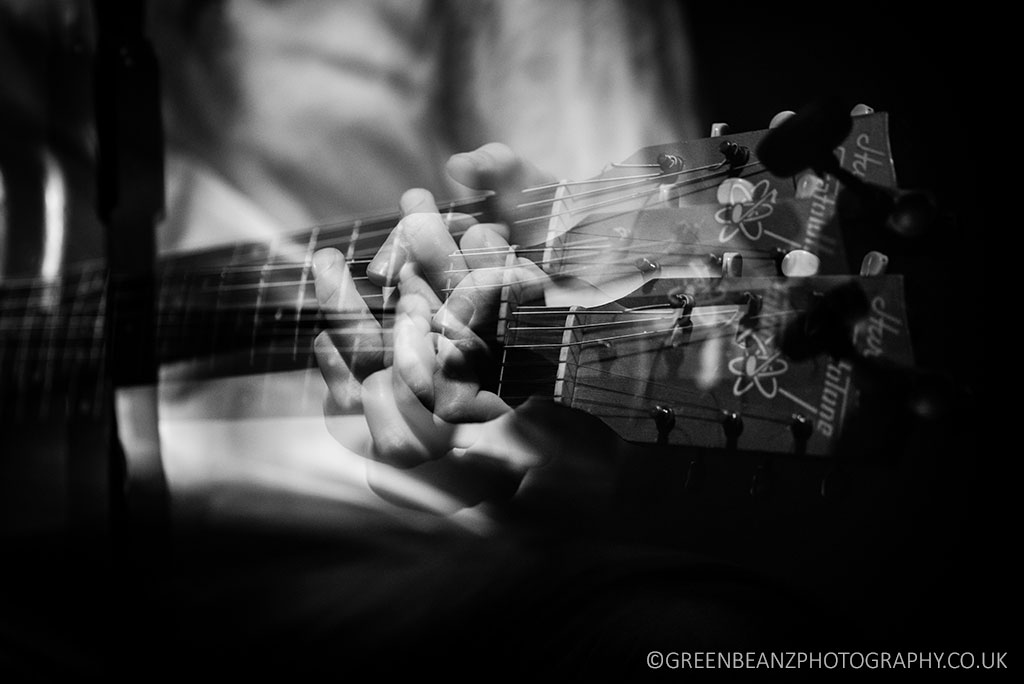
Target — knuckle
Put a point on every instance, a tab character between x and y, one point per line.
396	451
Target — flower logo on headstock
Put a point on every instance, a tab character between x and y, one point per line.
746	205
759	366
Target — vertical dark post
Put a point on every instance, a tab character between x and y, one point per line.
131	201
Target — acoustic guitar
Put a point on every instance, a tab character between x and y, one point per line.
701	307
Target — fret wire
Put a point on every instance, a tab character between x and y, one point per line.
639	412
48	368
259	301
163	300
225	271
70	349
306	268
175	316
746	412
217	308
778	419
98	349
29	316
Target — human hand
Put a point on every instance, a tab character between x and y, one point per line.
497	168
421	377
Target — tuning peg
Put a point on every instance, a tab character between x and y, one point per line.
754	303
861	110
732	265
799	263
873	264
606	351
808	185
679	299
664	420
732	426
719	129
736	155
670	163
646	266
808	141
780	117
802	429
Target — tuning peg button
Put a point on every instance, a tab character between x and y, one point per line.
670	163
802	428
646	266
679	299
665	421
732	265
808	184
780	117
861	110
800	263
873	264
732	426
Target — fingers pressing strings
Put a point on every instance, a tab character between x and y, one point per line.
496	167
423	261
415	343
421	237
492	264
353	338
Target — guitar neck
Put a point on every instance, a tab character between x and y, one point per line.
239	309
251	308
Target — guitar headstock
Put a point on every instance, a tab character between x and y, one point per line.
686	204
707	363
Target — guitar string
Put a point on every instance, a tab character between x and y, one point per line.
384	231
637	412
628	181
648	383
87	321
547	217
656	244
583	208
163	310
675	188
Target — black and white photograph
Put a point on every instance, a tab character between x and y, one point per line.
575	340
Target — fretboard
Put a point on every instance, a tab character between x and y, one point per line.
240	309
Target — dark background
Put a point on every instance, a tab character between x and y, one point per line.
927	68
937	71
